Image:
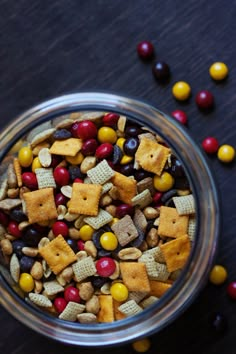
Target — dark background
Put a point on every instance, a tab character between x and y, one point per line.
49	48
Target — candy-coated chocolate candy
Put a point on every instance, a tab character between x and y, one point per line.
26	264
108	241
210	145
130	146
60	304
218	71
29	180
75	160
107	135
17	247
4	218
84	130
86	232
226	153
181	90
231	290
145	50
204	100
89	147
164	182
60	228
127	169
60	199
25	156
35	164
119	292
104	151
61	176
126	159
110	119
132	130
13	229
161	70
124	209
142	345
105	266
180	115
218	275
26	282
71	294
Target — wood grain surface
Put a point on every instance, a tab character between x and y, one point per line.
49	48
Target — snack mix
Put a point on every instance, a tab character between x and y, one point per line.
97	217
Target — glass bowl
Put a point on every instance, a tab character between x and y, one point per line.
195	273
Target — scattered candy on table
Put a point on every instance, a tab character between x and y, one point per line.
218	71
204	100
181	90
142	345
145	50
231	290
226	153
210	145
180	115
218	275
161	70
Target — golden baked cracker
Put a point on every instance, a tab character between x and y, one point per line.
85	199
67	147
176	252
40	205
135	276
171	224
158	288
117	313
126	187
106	312
152	156
18	171
58	254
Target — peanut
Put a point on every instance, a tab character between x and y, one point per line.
86	291
129	253
92	305
37	270
152	238
6	247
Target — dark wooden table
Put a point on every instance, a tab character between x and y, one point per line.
49	48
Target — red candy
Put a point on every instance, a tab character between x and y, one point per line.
210	145
231	290
105	266
80	245
61	176
124	209
84	130
110	119
180	115
104	150
4	219
145	50
60	228
29	180
13	229
60	199
60	304
71	294
89	147
204	99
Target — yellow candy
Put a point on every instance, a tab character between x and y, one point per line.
36	164
181	90
109	241
25	156
119	292
106	135
218	275
86	232
26	282
142	345
75	160
164	182
218	71
120	142
126	159
226	153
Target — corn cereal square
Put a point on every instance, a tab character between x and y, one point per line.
135	276
176	252
58	254
67	147
85	199
171	224
106	312
40	205
152	156
126	187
